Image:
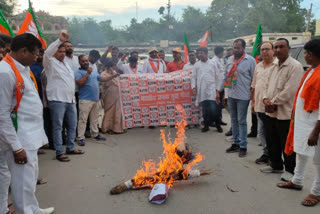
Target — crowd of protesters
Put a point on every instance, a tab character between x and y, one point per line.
58	103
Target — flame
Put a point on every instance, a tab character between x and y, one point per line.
170	165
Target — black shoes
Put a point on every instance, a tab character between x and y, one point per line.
87	134
233	148
263	159
251	134
219	129
223	123
228	133
242	152
205	129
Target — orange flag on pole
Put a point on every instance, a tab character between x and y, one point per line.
203	41
30	25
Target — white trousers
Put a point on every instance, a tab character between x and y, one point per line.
4	183
299	171
23	183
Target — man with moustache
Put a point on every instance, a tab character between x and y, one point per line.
21	126
61	97
154	65
261	74
238	85
278	99
88	79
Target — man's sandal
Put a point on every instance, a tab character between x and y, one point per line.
41	181
75	152
311	200
62	158
289	185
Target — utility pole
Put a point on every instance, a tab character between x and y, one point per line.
169	26
137	10
309	18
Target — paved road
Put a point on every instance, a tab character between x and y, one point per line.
82	185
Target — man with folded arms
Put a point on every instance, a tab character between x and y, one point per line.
278	99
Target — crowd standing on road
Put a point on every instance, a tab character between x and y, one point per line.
57	103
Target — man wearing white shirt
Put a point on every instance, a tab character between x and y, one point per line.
154	65
70	59
192	61
218	61
22	135
303	138
205	83
60	93
130	68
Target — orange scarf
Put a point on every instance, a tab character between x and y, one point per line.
135	70
311	95
19	88
232	75
153	66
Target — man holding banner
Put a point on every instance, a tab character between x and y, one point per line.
205	83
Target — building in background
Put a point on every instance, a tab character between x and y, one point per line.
293	38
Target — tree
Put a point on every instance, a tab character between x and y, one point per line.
194	23
7	7
161	10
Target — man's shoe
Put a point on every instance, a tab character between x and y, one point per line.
219	129
87	134
263	159
286	176
205	129
233	148
228	133
47	210
269	169
213	124
251	134
223	123
242	152
99	137
81	142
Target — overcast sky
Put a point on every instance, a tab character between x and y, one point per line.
122	11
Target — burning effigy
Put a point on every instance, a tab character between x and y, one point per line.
176	163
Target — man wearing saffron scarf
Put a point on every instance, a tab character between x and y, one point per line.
154	65
130	68
303	138
21	136
278	99
238	82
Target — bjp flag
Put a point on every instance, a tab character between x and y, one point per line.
30	25
4	26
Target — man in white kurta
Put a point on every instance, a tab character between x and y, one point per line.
19	148
205	83
154	65
130	68
306	141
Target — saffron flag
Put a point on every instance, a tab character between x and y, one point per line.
4	25
203	41
186	48
257	44
30	25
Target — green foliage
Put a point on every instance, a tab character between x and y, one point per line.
7	7
224	19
